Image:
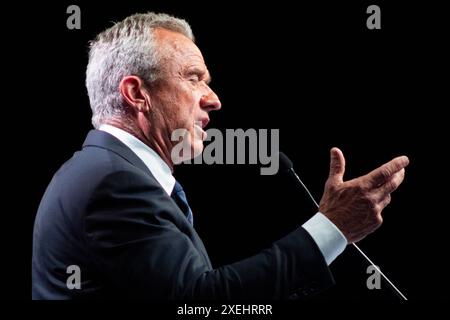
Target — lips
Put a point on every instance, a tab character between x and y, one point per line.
203	122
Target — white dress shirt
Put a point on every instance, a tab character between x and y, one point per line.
160	170
327	236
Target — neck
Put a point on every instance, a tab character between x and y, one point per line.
148	137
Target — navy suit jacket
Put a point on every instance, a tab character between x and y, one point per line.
105	213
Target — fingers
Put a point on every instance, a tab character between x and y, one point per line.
392	184
385	202
383	193
356	206
337	166
384	173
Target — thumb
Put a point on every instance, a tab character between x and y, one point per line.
337	165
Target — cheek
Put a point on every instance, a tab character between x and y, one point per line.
183	104
188	108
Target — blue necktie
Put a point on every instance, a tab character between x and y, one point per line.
180	198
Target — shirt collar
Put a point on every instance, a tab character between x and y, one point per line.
160	170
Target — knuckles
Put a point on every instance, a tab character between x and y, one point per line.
385	174
378	220
370	204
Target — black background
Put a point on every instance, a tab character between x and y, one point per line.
313	71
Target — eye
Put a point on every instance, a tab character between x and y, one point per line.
194	78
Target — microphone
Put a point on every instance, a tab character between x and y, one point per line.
286	166
285	163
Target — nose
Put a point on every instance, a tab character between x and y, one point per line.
210	101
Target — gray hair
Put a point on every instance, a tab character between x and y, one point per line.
127	48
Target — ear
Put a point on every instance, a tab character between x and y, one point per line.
132	90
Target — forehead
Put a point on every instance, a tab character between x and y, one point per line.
178	48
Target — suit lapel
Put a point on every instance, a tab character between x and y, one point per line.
104	140
101	139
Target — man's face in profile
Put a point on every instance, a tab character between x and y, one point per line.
181	97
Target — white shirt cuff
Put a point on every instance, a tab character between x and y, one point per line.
327	236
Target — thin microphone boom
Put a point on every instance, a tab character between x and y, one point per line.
286	165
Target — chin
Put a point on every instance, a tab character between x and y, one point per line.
191	146
197	148
189	152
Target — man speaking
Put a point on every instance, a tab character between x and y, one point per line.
115	214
